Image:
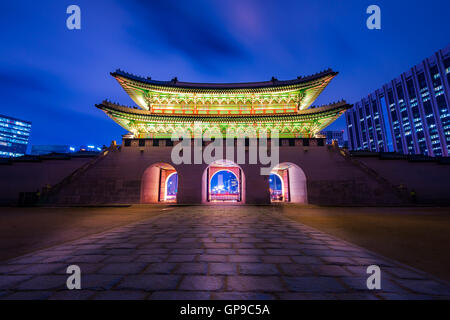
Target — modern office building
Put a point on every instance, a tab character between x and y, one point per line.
334	135
409	115
14	135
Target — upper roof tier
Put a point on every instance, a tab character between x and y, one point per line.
161	96
222	87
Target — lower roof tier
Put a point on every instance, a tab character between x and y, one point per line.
144	124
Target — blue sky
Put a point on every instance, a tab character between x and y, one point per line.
53	76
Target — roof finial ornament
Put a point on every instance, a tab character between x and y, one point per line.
174	79
274	79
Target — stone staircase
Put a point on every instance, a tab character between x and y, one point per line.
49	196
400	191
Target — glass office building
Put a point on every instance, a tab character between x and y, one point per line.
409	115
14	135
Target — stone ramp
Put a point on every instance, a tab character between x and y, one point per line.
213	253
97	183
346	183
430	180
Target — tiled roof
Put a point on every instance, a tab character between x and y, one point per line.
109	107
221	86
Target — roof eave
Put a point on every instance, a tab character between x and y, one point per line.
226	86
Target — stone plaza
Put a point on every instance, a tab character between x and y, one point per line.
213	252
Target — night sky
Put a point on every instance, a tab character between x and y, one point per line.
53	76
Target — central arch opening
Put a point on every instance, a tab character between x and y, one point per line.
223	182
224	186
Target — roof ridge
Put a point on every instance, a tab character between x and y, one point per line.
254	84
334	103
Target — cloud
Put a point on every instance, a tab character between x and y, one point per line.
189	28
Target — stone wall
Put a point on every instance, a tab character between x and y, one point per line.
430	180
331	179
18	177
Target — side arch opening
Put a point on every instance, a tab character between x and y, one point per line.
159	184
287	183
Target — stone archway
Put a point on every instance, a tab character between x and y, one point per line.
159	184
223	181
293	179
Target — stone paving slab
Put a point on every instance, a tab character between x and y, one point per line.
213	253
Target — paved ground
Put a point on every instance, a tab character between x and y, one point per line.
416	236
27	229
212	253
